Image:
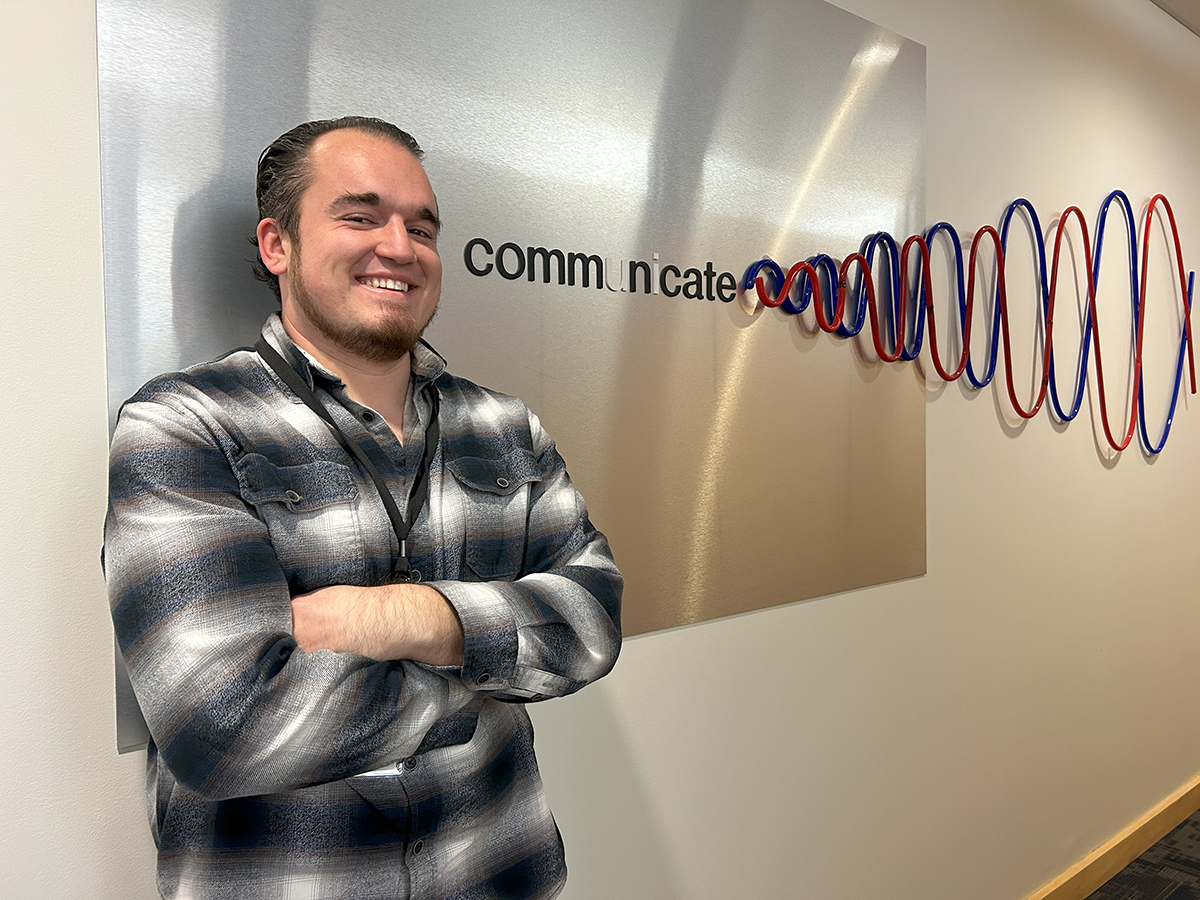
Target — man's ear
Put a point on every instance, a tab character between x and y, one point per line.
274	246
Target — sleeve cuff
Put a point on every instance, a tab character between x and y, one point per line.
489	633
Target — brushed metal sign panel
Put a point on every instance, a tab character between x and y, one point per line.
735	460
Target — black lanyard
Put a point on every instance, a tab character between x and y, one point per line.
420	489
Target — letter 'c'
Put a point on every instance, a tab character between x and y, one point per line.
471	245
662	281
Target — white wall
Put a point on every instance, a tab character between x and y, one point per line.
962	736
73	823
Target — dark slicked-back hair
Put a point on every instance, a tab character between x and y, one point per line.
284	174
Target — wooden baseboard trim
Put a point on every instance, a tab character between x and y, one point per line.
1123	848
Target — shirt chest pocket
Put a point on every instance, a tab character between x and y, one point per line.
311	514
495	496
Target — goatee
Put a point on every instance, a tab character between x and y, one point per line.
385	342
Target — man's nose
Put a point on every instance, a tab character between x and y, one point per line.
395	242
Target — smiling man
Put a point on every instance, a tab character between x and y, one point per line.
338	572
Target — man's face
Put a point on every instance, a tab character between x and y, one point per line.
369	278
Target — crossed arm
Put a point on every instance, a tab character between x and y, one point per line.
394	621
208	627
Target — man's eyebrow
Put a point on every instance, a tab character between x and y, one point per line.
425	214
368	199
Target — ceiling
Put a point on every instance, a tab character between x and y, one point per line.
1186	12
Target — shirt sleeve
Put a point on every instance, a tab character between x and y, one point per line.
202	614
557	627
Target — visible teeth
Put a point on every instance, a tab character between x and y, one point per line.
389	283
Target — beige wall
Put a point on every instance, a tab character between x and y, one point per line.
961	736
73	823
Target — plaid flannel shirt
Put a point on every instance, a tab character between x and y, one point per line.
227	497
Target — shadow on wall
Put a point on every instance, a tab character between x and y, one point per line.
217	304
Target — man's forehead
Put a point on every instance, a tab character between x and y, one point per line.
351	161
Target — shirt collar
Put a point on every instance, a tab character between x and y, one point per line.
427	364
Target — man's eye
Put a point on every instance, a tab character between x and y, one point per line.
359	220
421	232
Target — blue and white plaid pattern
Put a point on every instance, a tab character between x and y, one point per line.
227	497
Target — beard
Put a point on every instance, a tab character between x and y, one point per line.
384	342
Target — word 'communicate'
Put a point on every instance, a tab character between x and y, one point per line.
573	269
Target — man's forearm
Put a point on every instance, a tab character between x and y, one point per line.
394	621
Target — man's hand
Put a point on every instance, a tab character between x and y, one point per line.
394	621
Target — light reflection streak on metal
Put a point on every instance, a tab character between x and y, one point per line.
703	540
868	68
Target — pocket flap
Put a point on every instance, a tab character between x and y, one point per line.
495	476
301	488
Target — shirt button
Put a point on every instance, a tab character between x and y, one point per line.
410	763
418	847
483	679
368	416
